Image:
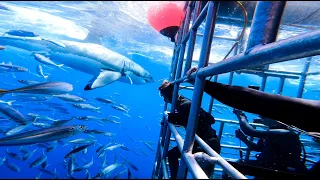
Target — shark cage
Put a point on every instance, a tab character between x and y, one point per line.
251	54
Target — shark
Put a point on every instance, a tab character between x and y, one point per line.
105	65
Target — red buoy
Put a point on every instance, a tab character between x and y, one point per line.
165	18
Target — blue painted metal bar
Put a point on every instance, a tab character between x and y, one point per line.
162	130
192	39
196	170
313	73
215	79
200	18
264	73
222	162
303	77
280	86
198	90
296	47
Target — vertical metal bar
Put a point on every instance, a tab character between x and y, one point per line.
192	39
163	127
265	24
199	82
180	62
280	86
215	79
263	83
167	132
221	130
303	77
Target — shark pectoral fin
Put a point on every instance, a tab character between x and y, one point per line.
103	79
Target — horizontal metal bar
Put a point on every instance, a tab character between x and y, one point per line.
220	37
201	17
237	122
296	47
187	87
262	73
222	162
233	147
313	73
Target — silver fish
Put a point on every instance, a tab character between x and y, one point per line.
13	155
39	160
70	98
71	165
104	100
12	114
42	135
16	129
84	167
82	141
2	160
76	150
130	164
119	108
12	166
108	169
46	60
149	147
52	146
28	155
42	88
87	107
11	68
40	71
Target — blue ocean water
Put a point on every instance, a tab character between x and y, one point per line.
123	28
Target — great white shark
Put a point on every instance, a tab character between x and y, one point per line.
105	65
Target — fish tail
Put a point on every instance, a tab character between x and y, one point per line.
60	65
10	102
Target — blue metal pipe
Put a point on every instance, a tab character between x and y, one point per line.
222	162
280	86
263	83
198	88
196	170
192	41
215	79
300	46
200	18
303	77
